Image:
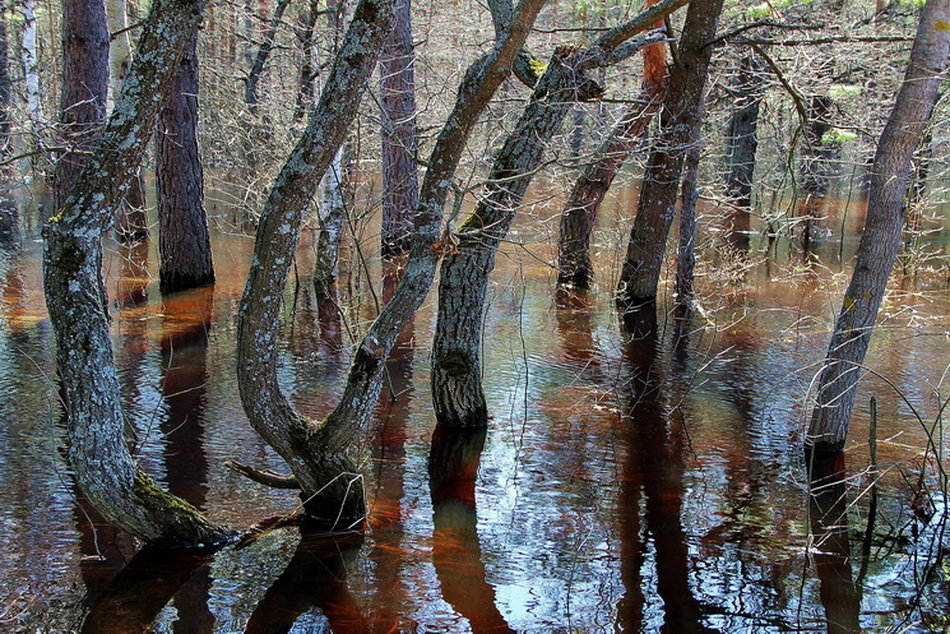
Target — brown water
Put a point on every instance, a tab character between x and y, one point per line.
639	486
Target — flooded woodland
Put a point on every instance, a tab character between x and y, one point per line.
537	316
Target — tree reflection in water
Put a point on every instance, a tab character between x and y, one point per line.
453	465
652	487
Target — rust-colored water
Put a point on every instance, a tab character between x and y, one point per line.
638	486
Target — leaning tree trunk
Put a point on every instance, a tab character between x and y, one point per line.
75	295
251	84
457	393
317	452
741	145
640	275
397	101
85	84
882	230
184	244
580	212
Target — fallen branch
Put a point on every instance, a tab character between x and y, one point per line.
263	476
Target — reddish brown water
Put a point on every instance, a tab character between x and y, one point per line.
636	487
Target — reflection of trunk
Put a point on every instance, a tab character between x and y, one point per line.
580	211
741	143
456	554
682	106
85	83
75	296
574	326
147	583
318	451
184	243
314	578
652	487
882	232
828	510
397	99
457	392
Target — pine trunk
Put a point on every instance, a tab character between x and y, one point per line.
400	135
881	239
184	242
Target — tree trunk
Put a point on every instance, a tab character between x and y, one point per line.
336	188
400	140
580	212
881	239
330	486
741	143
251	96
9	216
306	30
686	248
75	295
31	73
85	84
817	167
640	275
457	394
317	452
184	243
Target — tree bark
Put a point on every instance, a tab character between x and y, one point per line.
640	275
75	295
741	144
580	212
9	216
400	141
85	84
251	96
881	238
686	247
317	452
330	486
31	73
817	166
306	29
458	398
184	242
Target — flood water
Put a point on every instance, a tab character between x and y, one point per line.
651	484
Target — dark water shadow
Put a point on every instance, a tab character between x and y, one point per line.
135	596
314	578
828	510
453	464
574	313
651	489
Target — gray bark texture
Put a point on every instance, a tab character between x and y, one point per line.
881	238
457	393
580	212
75	295
642	265
317	451
330	487
397	99
85	85
9	217
686	247
184	243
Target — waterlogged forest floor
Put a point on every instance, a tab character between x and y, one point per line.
591	503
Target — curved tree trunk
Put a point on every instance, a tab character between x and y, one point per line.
85	84
457	393
184	244
397	101
640	274
882	231
317	451
580	212
75	295
331	489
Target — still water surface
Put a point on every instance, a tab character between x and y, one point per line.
639	486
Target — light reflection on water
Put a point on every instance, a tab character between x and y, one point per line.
622	485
